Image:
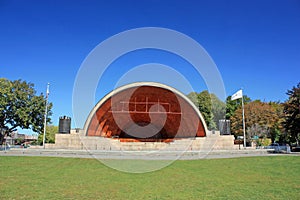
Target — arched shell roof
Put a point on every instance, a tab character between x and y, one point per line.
145	110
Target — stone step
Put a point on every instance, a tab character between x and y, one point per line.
212	141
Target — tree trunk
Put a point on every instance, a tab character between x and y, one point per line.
1	138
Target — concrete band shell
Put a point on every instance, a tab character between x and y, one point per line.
138	105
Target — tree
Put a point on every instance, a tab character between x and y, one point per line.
193	96
257	130
20	107
210	106
50	134
261	119
232	106
277	130
205	107
292	114
218	109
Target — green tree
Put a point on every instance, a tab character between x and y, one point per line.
193	96
204	104
277	130
20	107
205	107
218	109
210	106
232	106
50	135
292	114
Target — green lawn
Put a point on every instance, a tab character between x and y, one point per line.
276	177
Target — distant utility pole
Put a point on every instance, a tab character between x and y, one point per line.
45	116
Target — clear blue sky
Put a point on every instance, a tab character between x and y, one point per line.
255	44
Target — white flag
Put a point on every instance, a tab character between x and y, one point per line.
237	95
47	92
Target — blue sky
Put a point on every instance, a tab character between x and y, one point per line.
255	44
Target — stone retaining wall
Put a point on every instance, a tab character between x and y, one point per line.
76	140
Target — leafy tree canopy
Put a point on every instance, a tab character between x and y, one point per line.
20	107
261	119
50	134
232	106
210	106
292	114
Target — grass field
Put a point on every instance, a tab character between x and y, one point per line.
276	177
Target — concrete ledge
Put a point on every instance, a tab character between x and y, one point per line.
79	142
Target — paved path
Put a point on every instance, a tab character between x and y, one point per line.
143	155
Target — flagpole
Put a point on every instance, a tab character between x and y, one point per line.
238	95
244	128
45	116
